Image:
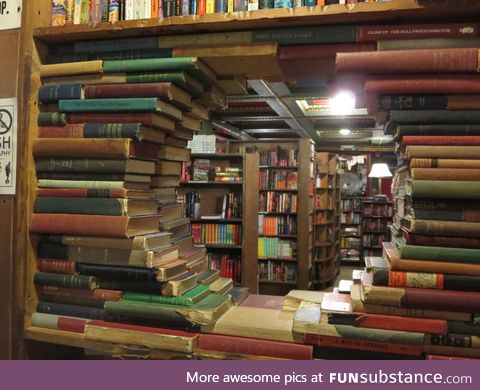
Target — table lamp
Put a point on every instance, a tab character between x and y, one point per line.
380	170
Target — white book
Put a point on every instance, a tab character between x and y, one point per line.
129	9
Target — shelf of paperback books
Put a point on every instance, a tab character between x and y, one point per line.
216	208
327	222
284	230
398	10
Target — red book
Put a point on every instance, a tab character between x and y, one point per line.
57	266
456	242
68	131
423	84
93	225
440	357
452	140
71	324
321	52
409	61
364	345
255	347
416	31
99	293
405	324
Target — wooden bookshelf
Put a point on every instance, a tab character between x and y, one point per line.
400	11
302	216
351	214
377	217
327	220
211	195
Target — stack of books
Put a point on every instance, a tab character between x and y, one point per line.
421	297
228	174
113	244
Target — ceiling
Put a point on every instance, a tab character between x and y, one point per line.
272	110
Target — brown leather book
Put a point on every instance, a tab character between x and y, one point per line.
93	225
92	147
462	152
444	163
463	60
445	228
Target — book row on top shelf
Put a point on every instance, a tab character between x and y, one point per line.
69	12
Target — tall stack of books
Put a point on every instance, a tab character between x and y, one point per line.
422	297
113	243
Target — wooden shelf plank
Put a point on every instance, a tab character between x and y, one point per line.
397	10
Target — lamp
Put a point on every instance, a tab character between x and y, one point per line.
380	170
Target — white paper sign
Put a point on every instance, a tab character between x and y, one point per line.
8	146
10	14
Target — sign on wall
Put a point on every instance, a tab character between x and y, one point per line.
10	14
8	146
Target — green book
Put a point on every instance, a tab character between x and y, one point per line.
438	215
445	189
52	119
160	299
196	294
192	65
65	281
87	184
180	79
120	104
99	206
434	253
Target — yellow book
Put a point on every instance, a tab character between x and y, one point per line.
210	7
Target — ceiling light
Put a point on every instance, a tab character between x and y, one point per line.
343	103
345	131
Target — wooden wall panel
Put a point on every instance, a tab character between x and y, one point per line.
9	60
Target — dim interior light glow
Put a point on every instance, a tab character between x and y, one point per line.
343	103
345	131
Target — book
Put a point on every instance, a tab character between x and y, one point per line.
221	286
71	69
463	60
56	58
58	322
108	130
310	35
107	148
98	206
94	165
147	119
423	84
255	347
208	277
416	31
320	52
96	177
257	323
56	266
428	43
153	338
96	294
93	225
191	65
435	116
65	281
52	93
207	311
92	188
120	104
444	189
446	140
447	241
180	284
70	310
174	154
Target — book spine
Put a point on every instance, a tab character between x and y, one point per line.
442	241
453	340
413	102
81	193
405	324
114	11
394	32
57	164
149	298
306	35
229	344
95	11
66	281
53	321
52	119
104	7
70	310
445	189
156	90
107	105
56	266
448	215
447	140
93	225
98	293
99	206
122	273
409	61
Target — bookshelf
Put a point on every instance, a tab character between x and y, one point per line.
35	33
377	217
327	220
401	11
351	230
219	212
285	230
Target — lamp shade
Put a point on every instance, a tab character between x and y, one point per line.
380	170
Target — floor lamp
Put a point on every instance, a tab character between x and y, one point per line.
380	170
